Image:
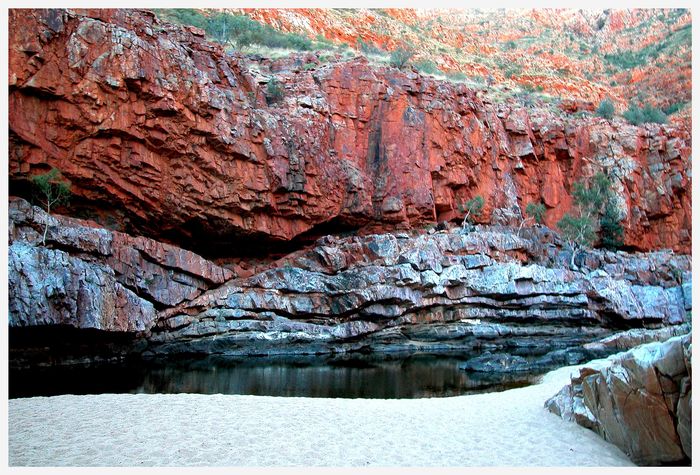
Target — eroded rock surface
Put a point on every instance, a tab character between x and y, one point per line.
89	277
640	400
489	289
438	290
164	134
50	287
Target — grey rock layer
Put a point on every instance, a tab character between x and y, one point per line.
89	277
49	287
368	291
445	290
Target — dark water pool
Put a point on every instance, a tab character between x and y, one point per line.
389	377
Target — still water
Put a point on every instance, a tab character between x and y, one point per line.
387	377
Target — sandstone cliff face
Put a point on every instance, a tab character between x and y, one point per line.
178	136
639	400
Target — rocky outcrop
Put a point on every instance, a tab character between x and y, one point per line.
89	277
628	339
489	289
49	287
426	290
165	135
639	400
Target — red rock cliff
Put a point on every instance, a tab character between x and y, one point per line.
170	136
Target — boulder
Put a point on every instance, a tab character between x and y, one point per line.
639	400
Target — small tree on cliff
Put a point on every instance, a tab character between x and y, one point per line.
611	231
599	217
606	109
578	232
274	92
536	211
471	208
51	189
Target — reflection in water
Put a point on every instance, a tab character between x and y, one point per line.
388	377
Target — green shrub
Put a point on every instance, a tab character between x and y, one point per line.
648	114
50	189
400	56
606	109
654	115
579	231
274	92
536	211
457	76
611	231
426	66
368	48
673	108
471	208
599	218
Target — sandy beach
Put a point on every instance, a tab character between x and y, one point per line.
509	428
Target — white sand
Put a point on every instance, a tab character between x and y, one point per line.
510	428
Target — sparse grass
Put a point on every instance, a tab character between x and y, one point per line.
669	46
426	66
267	52
457	76
400	56
647	114
243	33
606	109
675	107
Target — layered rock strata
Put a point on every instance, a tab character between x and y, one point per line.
166	135
444	290
639	400
90	277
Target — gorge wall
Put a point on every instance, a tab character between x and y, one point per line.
166	135
182	167
493	289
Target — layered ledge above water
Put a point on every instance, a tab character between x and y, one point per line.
435	291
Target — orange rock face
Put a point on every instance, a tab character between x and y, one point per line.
165	134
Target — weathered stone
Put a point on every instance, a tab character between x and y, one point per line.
345	292
436	279
49	287
628	339
176	134
159	272
639	400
